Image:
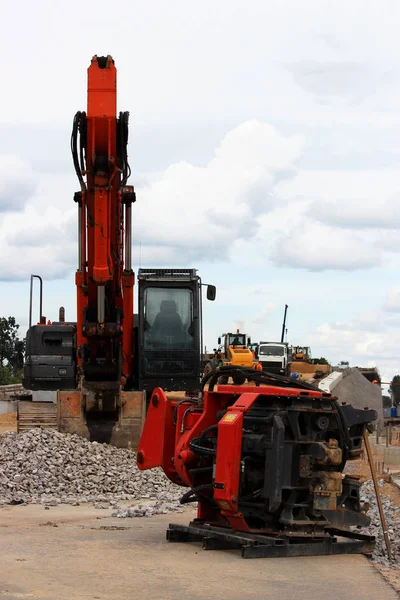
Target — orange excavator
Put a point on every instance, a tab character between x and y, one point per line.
103	365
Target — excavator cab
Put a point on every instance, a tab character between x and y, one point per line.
170	329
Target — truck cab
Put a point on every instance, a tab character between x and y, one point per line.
274	357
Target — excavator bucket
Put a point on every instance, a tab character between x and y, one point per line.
121	428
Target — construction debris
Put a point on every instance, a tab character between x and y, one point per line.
148	509
50	468
392	514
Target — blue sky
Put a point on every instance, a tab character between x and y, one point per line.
264	145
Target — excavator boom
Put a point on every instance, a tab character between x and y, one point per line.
103	365
104	278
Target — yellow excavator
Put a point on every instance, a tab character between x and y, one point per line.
233	350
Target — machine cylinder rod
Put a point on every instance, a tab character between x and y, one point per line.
101	297
80	263
128	237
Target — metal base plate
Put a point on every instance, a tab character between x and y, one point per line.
268	546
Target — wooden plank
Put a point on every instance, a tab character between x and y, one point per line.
35	415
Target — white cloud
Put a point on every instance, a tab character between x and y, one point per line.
392	303
203	211
261	319
183	215
317	247
36	241
358	213
17	182
349	81
357	345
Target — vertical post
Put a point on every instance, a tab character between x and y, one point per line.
284	323
202	351
378	495
31	298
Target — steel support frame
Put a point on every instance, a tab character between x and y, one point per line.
334	541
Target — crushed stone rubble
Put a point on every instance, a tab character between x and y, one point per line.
43	466
392	516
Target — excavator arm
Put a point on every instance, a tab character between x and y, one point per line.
103	365
104	278
103	407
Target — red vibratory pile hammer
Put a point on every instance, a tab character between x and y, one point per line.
264	462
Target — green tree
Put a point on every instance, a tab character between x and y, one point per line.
386	401
394	390
11	352
319	361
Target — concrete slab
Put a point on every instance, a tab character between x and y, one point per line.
81	553
355	389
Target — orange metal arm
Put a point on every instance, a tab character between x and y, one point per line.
104	282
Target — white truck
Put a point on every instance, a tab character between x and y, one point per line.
274	357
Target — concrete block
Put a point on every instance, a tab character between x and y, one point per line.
391	455
378	448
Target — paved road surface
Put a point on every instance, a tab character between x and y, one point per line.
80	559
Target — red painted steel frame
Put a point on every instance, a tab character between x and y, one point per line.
166	444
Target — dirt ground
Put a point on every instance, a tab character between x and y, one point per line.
8	422
85	541
82	553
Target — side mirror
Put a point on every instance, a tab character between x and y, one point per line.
248	341
211	292
219	341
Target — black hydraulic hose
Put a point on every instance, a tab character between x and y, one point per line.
197	491
185	400
202	450
252	375
83	140
78	125
122	135
207	430
200	470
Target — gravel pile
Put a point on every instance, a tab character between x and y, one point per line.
43	466
392	515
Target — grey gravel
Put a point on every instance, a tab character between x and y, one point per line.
147	509
392	516
42	466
